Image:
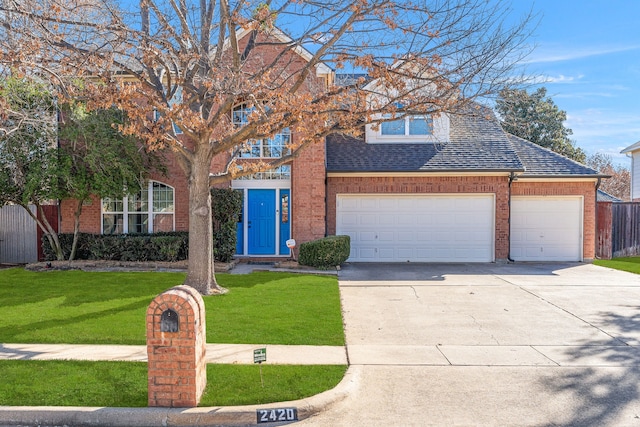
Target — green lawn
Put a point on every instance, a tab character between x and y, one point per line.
630	264
124	384
109	308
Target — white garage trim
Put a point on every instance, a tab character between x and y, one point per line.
547	228
418	227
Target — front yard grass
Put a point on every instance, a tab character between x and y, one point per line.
77	307
630	264
124	384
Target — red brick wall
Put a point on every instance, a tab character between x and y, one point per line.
558	188
496	185
308	196
445	184
90	220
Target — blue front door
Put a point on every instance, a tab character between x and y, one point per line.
261	222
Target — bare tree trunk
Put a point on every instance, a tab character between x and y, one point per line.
200	273
47	229
76	230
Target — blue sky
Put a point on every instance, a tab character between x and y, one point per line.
589	54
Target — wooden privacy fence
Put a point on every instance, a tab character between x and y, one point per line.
618	232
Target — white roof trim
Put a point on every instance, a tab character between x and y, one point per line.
631	148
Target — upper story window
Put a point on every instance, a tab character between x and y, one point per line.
274	147
149	211
413	125
410	129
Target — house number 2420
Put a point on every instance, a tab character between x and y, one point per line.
275	415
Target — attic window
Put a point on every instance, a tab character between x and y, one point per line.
411	125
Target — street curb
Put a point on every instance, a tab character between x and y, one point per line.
173	417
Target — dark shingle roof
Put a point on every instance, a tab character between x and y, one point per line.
541	162
476	144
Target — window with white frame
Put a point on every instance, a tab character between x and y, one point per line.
149	211
410	125
274	147
409	129
281	172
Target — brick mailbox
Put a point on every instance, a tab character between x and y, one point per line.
176	347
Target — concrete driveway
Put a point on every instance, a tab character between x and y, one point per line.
489	345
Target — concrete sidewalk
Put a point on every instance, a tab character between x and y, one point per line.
148	417
216	353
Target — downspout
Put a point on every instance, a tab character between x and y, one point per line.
512	177
595	243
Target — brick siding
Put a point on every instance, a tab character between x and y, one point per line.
473	184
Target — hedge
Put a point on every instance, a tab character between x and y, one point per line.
327	252
165	246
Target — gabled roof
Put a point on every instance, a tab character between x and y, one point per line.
631	148
321	67
542	162
476	145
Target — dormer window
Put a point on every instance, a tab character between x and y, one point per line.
410	125
410	129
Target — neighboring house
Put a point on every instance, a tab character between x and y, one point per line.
603	196
447	188
633	151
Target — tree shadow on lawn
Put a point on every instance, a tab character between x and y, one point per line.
15	333
19	287
603	392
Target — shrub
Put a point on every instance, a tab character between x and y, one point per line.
326	252
166	246
226	205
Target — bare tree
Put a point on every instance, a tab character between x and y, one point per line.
619	185
205	78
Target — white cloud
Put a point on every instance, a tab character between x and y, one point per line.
563	79
562	54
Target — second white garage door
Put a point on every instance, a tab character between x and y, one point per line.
418	228
546	228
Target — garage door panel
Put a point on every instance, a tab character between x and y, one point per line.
386	236
366	236
546	228
425	228
406	236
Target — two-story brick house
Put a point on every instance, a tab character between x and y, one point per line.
451	188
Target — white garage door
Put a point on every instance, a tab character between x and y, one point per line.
418	228
546	228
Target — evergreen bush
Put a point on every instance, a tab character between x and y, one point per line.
327	252
226	205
